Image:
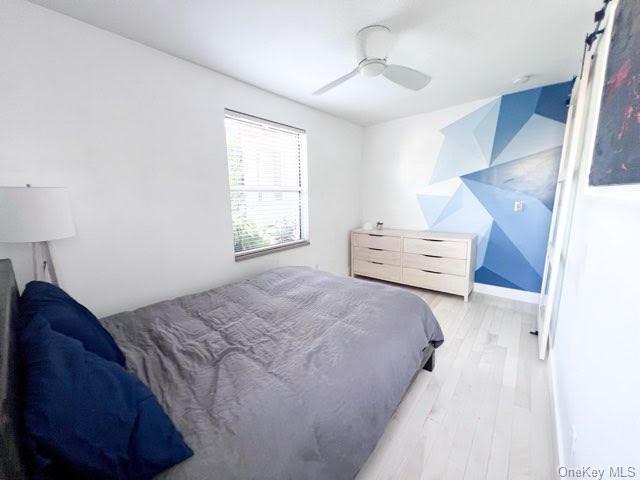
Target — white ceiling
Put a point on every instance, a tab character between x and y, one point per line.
472	48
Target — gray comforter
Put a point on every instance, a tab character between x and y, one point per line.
291	374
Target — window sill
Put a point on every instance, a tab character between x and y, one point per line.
267	250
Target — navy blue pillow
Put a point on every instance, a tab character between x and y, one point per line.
68	317
86	417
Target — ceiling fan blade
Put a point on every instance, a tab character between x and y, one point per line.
407	77
337	82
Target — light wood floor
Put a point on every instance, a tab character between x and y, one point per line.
484	412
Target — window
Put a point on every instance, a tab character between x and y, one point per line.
268	183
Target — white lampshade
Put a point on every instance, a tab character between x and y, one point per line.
34	214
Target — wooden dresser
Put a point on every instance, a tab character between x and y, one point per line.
432	260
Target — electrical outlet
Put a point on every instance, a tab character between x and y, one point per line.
518	206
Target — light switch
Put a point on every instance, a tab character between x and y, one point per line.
518	206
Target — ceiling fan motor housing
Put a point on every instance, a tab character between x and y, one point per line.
374	42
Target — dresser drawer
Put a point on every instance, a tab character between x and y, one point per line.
378	270
375	255
378	241
435	281
453	266
436	248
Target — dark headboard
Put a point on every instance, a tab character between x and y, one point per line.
11	466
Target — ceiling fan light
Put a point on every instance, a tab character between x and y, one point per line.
372	68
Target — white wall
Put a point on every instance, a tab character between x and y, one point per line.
595	358
399	158
138	138
595	342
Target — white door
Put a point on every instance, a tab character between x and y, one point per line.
563	207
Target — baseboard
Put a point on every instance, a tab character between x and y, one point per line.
510	293
558	438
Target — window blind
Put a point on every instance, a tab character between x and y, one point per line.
267	180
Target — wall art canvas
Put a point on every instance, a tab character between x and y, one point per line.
616	159
506	151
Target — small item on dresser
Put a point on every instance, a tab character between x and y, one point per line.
379	225
367	226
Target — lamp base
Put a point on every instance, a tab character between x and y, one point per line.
43	268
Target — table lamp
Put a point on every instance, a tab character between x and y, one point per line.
36	215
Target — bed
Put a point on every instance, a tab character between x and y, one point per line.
291	374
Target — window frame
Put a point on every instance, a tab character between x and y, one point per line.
303	188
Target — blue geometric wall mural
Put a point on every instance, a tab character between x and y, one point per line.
528	175
515	112
506	151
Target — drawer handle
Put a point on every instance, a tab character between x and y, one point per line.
432	256
375	235
431	240
431	271
376	249
378	263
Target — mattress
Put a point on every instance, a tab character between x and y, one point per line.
291	374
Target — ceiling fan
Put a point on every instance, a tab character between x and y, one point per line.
373	44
